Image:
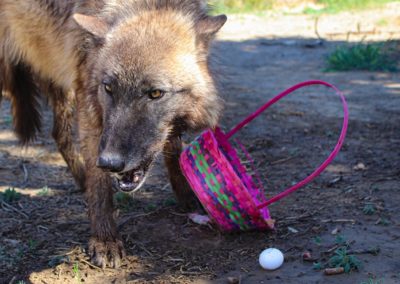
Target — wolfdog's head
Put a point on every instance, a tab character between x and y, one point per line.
151	79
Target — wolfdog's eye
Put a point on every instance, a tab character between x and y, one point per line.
107	85
107	88
156	94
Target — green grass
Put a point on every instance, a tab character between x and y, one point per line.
340	240
368	57
382	22
318	266
342	259
369	209
336	6
7	120
239	6
124	201
317	240
329	6
383	222
45	191
150	207
76	272
373	281
10	195
32	245
170	202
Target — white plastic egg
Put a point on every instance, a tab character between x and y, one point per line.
271	259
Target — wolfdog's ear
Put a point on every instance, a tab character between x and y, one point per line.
92	24
207	27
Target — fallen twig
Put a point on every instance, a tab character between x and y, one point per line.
373	251
320	40
8	206
331	249
164	188
91	265
26	175
145	249
334	271
339	221
13	280
305	215
334	181
41	227
316	22
190	272
131	217
282	160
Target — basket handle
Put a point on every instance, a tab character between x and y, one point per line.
332	155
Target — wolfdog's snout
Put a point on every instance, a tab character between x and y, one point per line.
111	162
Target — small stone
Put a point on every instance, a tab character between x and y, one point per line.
233	280
335	231
360	167
307	256
199	219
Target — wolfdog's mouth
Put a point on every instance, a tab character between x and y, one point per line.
132	180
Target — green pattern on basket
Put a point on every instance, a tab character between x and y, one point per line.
204	168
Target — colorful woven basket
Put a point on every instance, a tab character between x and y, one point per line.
232	196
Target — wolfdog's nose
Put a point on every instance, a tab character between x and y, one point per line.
111	162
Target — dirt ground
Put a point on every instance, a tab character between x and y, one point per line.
44	234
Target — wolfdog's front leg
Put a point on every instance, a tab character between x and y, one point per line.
62	132
181	187
105	245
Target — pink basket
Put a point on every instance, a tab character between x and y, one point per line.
223	185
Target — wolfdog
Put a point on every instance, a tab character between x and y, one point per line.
136	73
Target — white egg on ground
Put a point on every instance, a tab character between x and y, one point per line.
271	259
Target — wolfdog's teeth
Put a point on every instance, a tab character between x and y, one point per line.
117	176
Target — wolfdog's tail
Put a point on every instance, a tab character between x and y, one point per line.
24	94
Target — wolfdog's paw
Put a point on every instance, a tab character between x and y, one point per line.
106	253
